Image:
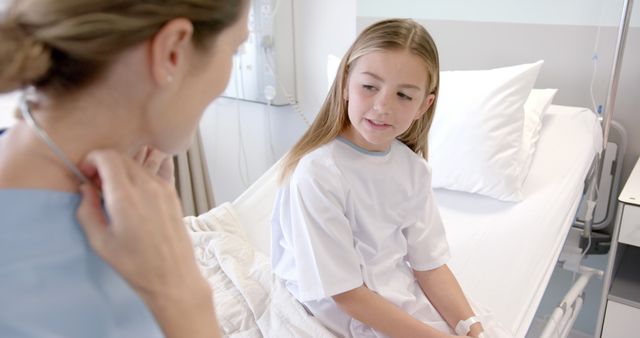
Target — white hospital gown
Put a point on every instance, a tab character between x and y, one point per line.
349	217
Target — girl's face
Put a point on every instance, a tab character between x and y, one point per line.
386	92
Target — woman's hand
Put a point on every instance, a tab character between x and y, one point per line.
139	233
156	162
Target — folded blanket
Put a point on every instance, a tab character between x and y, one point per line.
250	301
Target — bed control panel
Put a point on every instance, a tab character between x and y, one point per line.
630	225
631	192
619	314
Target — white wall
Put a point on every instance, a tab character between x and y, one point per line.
565	12
320	28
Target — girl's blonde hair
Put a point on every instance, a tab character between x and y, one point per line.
60	46
392	34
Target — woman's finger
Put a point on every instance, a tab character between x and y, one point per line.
157	163
154	160
91	216
108	165
166	170
141	154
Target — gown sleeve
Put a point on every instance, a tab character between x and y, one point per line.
427	242
311	227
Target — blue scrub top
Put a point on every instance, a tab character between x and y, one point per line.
51	283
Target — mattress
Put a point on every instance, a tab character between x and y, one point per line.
503	253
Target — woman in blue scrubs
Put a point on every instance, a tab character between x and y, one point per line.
91	243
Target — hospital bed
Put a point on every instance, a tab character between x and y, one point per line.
503	254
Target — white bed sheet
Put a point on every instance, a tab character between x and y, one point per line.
503	253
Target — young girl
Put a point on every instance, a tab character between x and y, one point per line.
357	236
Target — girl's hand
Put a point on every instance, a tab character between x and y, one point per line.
477	331
156	162
139	233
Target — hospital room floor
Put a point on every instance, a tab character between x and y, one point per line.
559	284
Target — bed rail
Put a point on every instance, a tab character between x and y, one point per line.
565	314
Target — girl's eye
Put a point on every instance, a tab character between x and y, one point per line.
405	96
369	87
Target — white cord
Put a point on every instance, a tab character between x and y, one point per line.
270	138
594	59
242	155
216	124
243	171
290	98
276	6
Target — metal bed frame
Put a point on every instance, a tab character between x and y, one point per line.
578	242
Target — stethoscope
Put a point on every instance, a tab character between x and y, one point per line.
25	111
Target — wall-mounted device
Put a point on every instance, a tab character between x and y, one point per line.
266	60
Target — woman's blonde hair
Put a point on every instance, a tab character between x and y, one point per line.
392	34
61	45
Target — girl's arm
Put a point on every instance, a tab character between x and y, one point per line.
444	292
380	314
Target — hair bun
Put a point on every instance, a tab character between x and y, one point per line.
23	60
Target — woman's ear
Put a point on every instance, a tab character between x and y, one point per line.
426	104
168	50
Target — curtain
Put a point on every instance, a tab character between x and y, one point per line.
192	180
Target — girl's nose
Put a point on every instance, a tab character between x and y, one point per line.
381	103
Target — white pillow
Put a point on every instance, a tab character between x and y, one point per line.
535	107
476	136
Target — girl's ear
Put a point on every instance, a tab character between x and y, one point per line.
345	93
426	104
168	50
